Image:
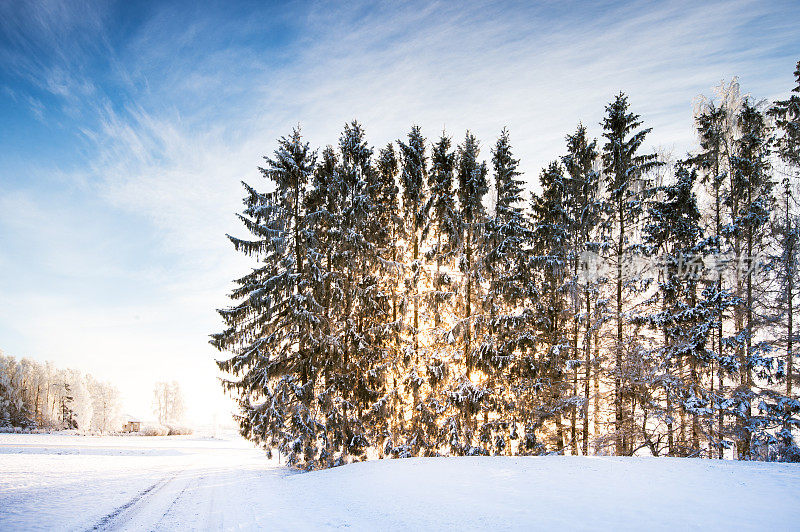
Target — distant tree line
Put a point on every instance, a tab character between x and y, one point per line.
40	395
412	301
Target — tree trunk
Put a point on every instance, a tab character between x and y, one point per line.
619	425
668	390
574	409
587	376
682	436
468	301
597	427
790	272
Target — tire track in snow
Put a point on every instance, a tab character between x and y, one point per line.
109	521
195	483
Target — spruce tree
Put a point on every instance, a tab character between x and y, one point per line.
472	187
750	200
505	266
713	161
787	120
584	208
389	228
441	230
323	224
683	316
367	306
787	227
550	307
625	170
441	222
268	330
413	174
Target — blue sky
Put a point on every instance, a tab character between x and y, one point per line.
127	127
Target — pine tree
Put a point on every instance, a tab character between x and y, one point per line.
584	210
472	187
366	306
441	221
413	174
550	307
787	121
674	235
504	263
441	229
778	413
750	200
626	170
322	223
388	220
269	329
389	227
715	134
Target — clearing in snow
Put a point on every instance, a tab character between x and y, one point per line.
55	481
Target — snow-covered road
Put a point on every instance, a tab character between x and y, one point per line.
178	483
139	483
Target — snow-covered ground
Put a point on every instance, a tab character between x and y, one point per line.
169	483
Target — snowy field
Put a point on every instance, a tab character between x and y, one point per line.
71	482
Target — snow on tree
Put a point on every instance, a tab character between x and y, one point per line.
786	226
391	314
680	316
584	209
82	405
470	395
750	200
505	269
715	130
546	387
367	305
105	405
270	328
39	395
626	173
441	225
14	411
413	175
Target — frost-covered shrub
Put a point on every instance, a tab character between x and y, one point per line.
154	430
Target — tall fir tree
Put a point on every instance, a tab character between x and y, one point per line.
505	267
584	207
366	306
472	187
323	207
390	230
550	307
750	200
715	134
682	316
441	222
626	170
413	174
787	121
441	231
269	329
